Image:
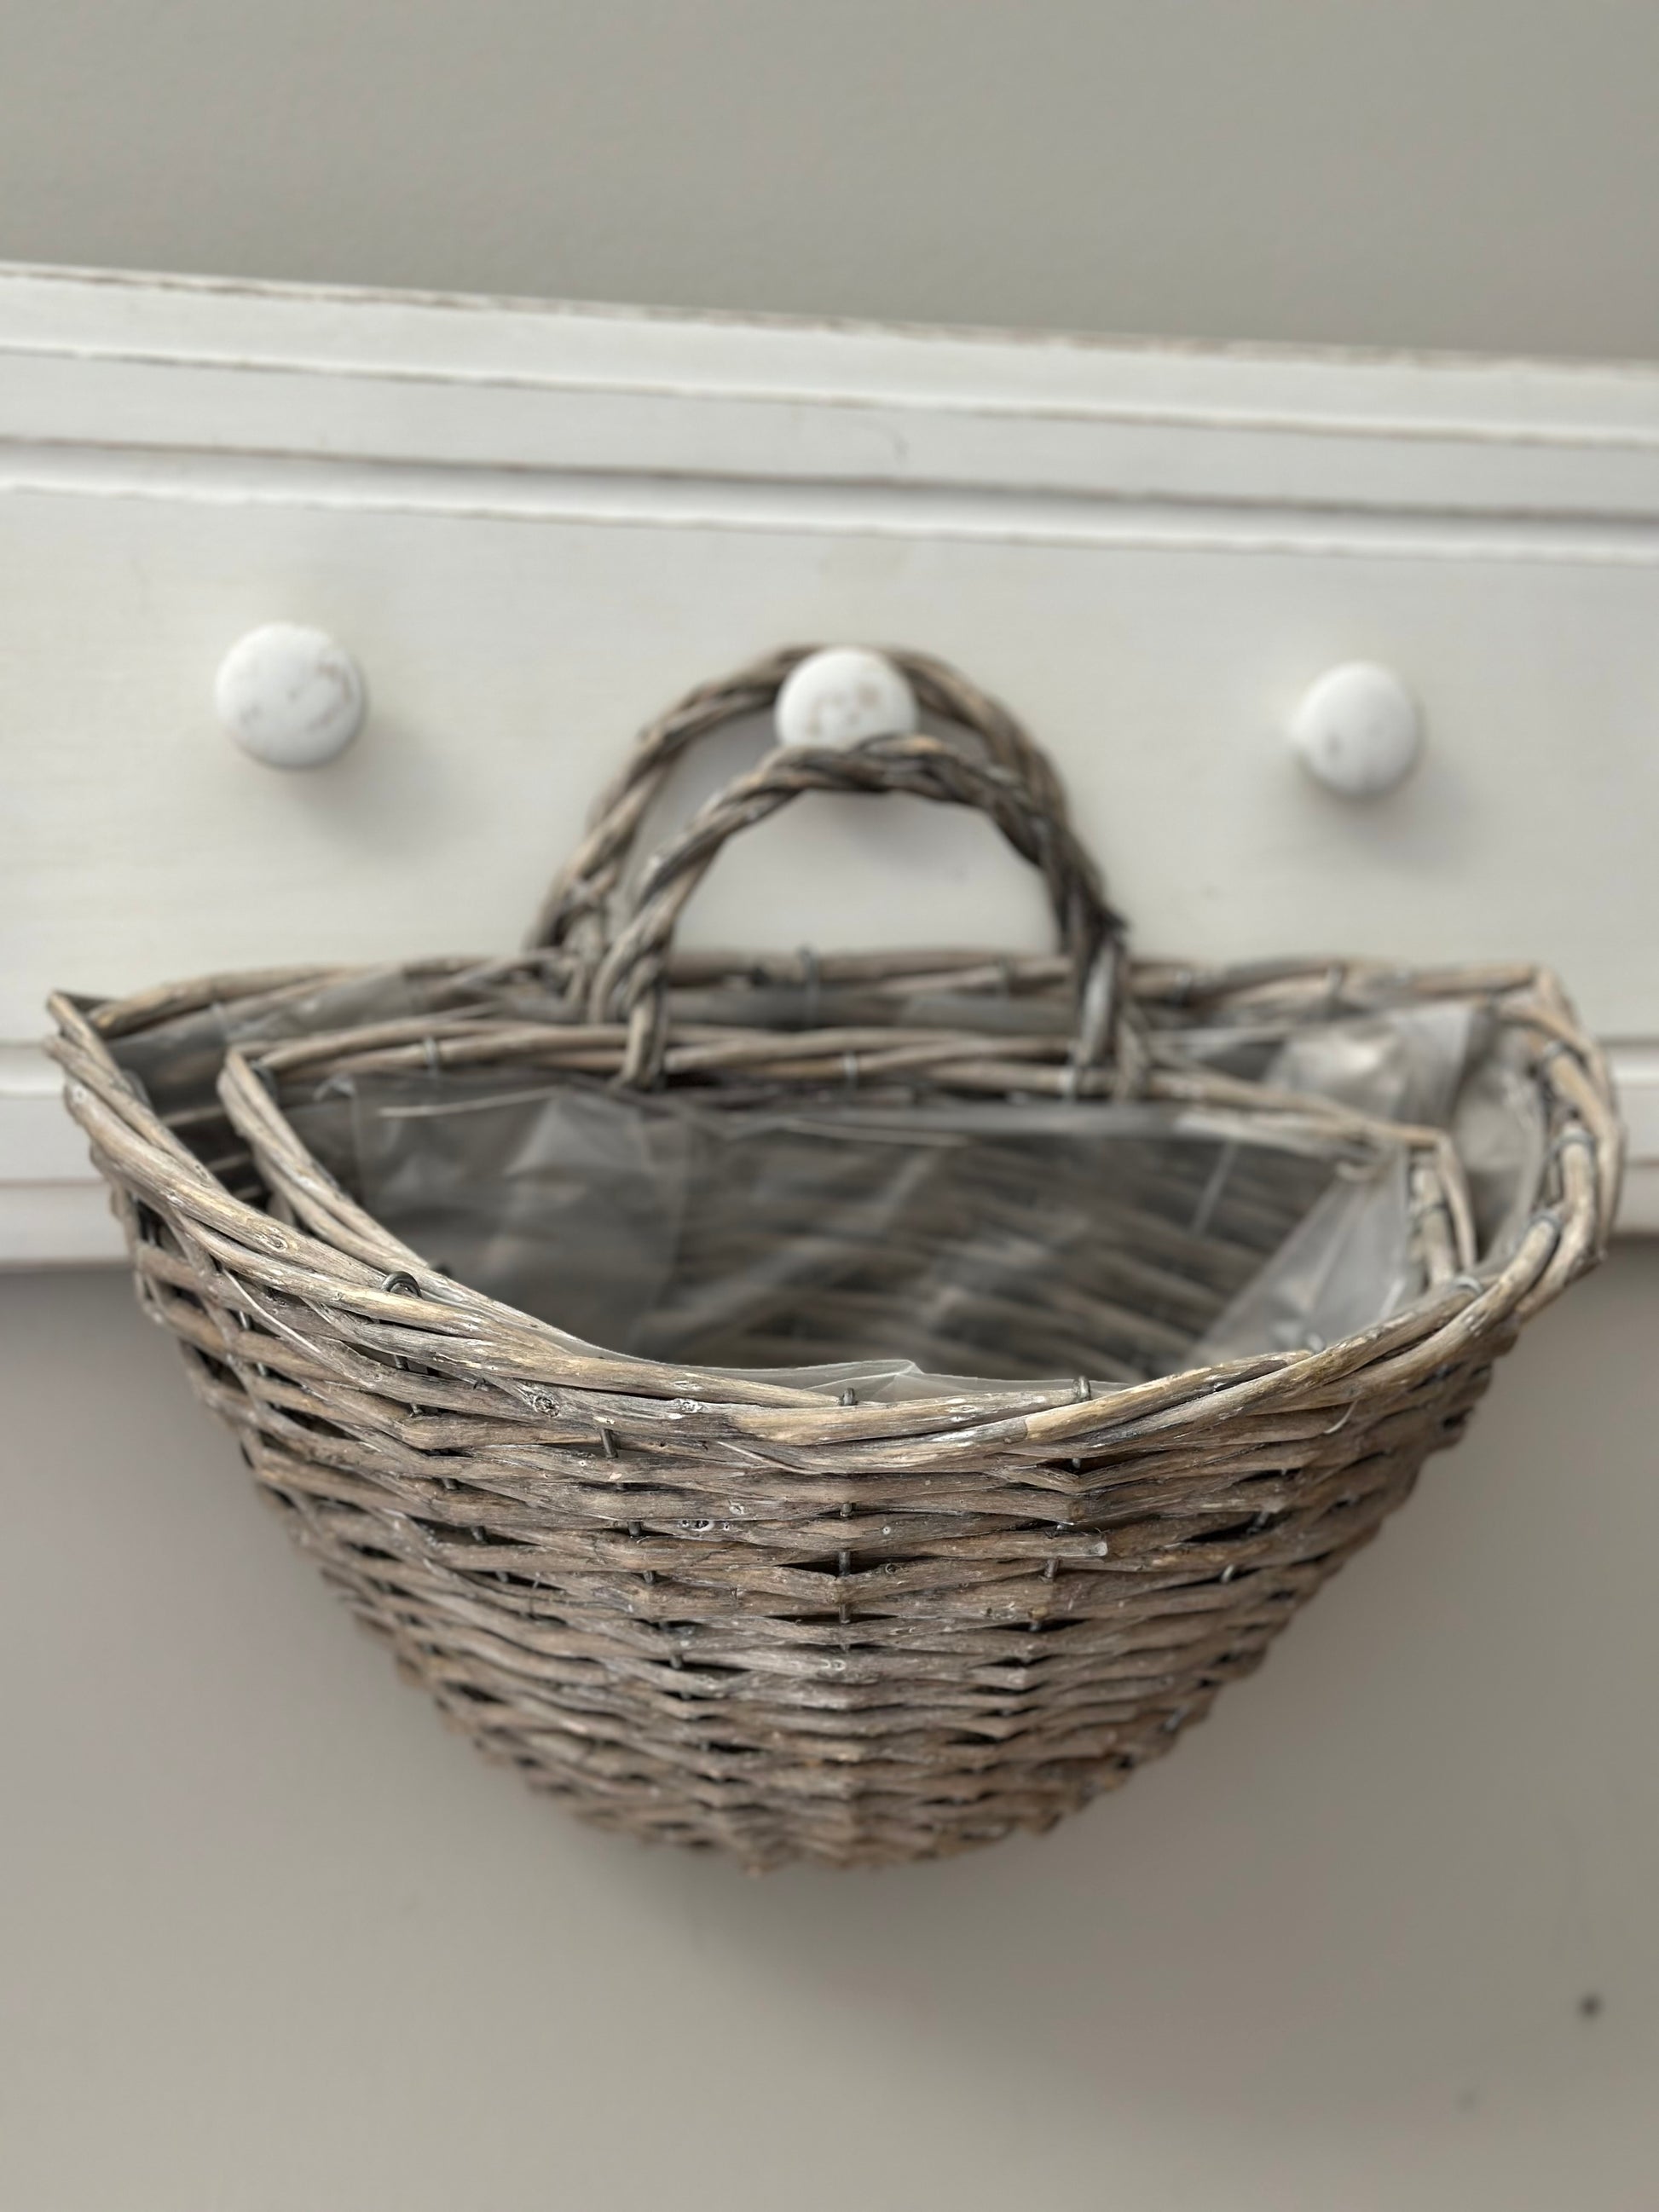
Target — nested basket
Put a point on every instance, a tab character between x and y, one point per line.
785	1614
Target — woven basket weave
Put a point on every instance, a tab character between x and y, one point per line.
713	1610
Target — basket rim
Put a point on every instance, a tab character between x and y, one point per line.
140	1154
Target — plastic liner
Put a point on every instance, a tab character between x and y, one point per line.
177	1062
1349	1263
1007	1243
900	1245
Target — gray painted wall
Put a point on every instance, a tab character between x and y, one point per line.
1419	172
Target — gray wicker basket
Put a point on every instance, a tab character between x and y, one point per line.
715	1608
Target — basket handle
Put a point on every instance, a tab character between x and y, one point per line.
582	892
630	980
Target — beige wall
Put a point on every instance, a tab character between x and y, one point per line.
270	1941
1439	173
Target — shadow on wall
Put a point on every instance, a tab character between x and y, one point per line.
1405	1859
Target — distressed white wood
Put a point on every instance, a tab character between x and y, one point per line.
291	695
842	695
1358	730
53	1209
534	525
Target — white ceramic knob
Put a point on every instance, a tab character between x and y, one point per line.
1358	730
290	696
842	695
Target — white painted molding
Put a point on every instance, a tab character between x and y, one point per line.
197	394
1635	1072
116	386
53	1209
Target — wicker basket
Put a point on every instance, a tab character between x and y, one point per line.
710	1609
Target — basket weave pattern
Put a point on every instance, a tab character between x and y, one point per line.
713	1611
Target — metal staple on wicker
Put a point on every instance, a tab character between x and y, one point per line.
708	1608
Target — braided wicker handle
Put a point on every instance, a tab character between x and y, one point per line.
584	888
630	977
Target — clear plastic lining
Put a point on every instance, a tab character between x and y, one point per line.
178	1061
940	1238
1003	1241
898	1244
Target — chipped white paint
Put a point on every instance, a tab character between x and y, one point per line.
842	695
291	695
1358	730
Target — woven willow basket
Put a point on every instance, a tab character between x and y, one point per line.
717	1610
